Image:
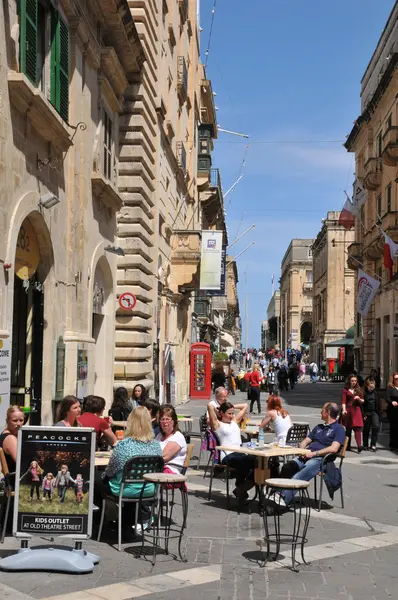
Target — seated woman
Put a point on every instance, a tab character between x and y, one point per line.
8	437
173	444
154	407
277	418
122	405
138	441
228	432
68	412
94	407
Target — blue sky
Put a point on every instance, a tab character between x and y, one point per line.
285	71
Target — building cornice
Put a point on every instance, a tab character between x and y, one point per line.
366	116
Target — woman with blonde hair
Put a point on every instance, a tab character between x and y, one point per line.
9	435
278	418
392	409
138	441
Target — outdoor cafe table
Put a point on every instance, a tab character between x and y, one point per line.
102	459
261	471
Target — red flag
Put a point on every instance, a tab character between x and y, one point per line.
347	218
388	261
390	252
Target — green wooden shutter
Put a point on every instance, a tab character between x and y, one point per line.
28	39
60	65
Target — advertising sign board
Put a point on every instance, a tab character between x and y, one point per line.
54	482
5	377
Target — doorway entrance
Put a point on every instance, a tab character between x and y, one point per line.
28	326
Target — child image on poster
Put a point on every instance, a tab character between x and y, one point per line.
65	484
48	487
34	476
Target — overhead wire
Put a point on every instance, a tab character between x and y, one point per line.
210	32
284	142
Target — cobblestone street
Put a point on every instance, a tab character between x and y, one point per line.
351	552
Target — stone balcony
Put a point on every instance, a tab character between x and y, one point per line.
390	147
185	260
354	258
307	286
32	103
373	173
211	196
307	310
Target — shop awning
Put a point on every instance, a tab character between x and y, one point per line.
341	342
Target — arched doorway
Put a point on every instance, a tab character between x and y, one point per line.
30	273
102	327
305	332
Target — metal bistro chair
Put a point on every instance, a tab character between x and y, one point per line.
8	493
213	465
296	434
184	470
328	458
200	434
133	472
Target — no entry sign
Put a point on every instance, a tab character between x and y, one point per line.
127	301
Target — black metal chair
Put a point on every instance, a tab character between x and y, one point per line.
200	434
340	456
296	434
133	472
219	466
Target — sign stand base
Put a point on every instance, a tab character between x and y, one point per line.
73	560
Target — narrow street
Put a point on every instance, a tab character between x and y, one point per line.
351	552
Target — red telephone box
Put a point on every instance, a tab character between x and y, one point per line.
200	371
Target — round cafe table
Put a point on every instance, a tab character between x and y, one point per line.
299	511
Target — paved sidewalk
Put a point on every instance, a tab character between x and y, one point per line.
351	553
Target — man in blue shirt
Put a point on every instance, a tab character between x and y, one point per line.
324	439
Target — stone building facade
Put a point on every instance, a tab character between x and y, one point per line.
374	140
296	294
333	285
63	75
273	332
159	225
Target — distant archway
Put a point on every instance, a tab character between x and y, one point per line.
305	332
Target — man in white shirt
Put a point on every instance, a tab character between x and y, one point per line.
221	396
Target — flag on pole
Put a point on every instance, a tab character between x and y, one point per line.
367	290
359	196
390	252
347	217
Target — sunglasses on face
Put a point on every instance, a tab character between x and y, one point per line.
166	420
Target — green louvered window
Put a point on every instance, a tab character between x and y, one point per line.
32	15
28	39
60	65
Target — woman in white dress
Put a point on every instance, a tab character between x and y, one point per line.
225	425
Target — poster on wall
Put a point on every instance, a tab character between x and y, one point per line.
210	261
222	290
54	481
5	377
82	371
